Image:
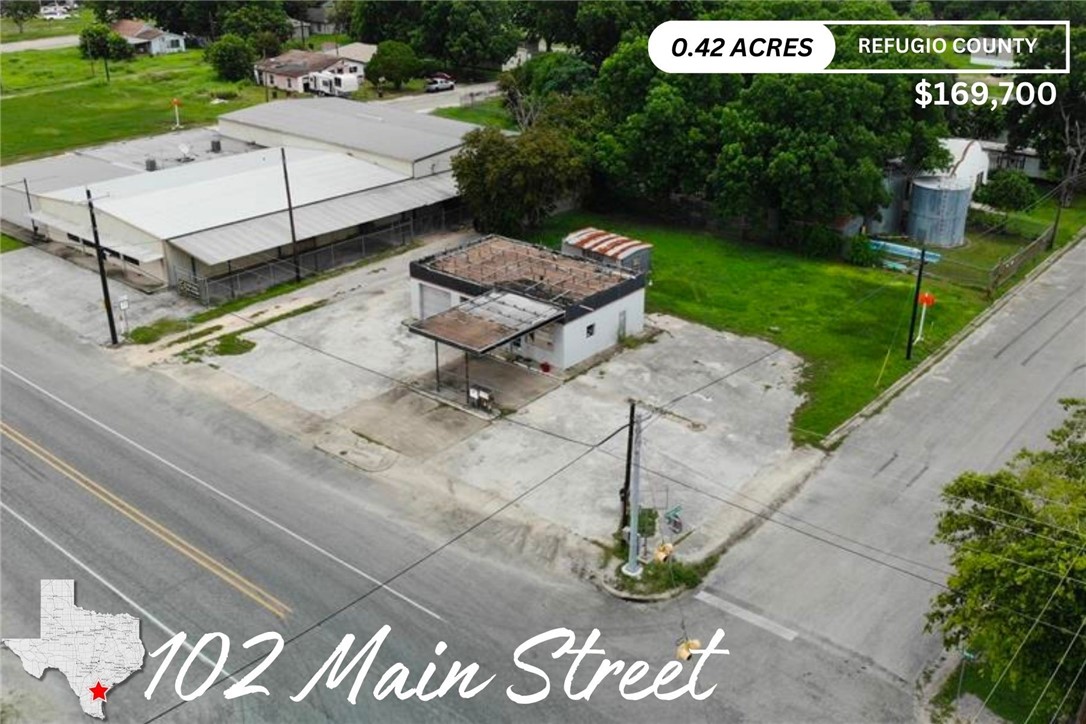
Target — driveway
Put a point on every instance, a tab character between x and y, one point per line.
431	101
849	559
59	41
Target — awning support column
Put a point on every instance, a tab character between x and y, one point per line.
467	382
437	368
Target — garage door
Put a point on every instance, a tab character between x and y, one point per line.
434	300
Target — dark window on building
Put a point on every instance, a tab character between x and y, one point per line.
590	330
130	260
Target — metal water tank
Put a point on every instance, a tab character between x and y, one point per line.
938	210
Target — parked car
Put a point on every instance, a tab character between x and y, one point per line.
436	85
441	75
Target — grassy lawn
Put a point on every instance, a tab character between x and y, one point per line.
849	324
46	114
368	92
39	28
488	113
1011	703
9	244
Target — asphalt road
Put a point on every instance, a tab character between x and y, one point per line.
430	101
169	506
866	585
57	41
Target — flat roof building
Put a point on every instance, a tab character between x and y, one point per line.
535	303
414	144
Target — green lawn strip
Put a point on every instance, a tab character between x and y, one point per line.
487	113
657	577
37	28
368	92
849	324
198	334
1011	701
233	343
8	243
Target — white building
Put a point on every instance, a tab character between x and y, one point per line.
206	219
146	38
293	71
414	144
497	294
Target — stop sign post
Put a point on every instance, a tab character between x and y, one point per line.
926	299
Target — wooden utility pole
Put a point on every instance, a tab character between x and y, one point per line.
102	269
916	300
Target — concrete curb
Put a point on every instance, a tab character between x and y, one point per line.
636	597
872	408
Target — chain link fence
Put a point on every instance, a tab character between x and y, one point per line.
275	270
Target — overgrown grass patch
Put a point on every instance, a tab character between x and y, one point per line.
231	344
659	577
1011	701
8	243
156	330
848	323
486	113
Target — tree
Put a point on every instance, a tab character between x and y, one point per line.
1057	131
231	57
249	20
117	48
551	22
394	62
94	41
267	44
374	21
19	11
530	87
468	34
1018	591
510	182
1008	191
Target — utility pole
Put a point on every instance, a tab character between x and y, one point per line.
101	269
916	300
29	206
633	565
290	214
624	494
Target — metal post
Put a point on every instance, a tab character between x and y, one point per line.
102	269
624	494
437	368
916	301
29	207
467	382
633	565
290	215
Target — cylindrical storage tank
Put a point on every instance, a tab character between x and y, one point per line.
938	210
888	219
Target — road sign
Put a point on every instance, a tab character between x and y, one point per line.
124	303
927	299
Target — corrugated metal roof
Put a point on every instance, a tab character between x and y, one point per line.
605	243
199	196
372	127
49	174
233	241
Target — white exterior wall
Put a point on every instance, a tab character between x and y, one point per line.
438	163
575	346
111	230
269	138
161	44
570	344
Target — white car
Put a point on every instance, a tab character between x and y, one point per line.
436	85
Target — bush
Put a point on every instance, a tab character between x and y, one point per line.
860	252
231	57
98	41
394	62
1008	191
820	243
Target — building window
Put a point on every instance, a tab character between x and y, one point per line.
175	43
590	330
290	83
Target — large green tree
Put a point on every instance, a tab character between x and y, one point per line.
374	21
511	182
469	33
395	62
231	56
19	11
1018	548
248	21
549	21
1057	131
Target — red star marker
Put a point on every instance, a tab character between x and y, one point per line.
98	691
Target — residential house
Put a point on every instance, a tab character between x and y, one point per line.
320	18
295	71
147	39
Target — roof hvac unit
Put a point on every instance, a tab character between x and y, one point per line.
150	164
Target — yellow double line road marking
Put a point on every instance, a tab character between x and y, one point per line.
205	561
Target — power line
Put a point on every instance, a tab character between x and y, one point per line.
1055	671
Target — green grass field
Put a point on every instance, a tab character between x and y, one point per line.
9	244
1010	702
849	324
38	28
488	113
54	101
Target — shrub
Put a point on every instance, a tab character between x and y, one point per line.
860	251
820	242
231	57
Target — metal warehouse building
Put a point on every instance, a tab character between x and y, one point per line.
414	144
194	224
535	303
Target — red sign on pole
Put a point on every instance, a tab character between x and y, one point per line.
927	299
175	102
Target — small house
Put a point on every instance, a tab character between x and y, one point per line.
294	70
147	39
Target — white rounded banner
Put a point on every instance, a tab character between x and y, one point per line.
741	46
